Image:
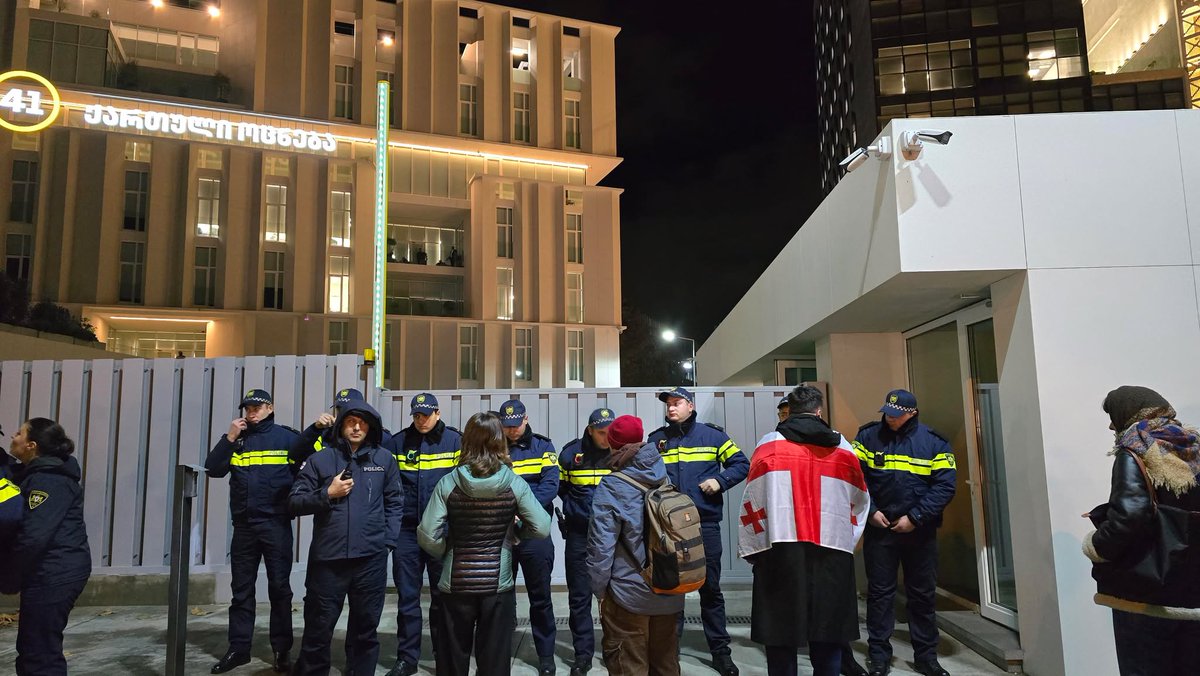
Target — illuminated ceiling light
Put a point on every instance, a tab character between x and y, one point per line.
519	51
386	39
156	3
160	319
1045	54
214	11
1034	72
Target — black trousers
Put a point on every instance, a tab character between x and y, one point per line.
884	552
483	623
579	595
712	601
268	540
408	563
329	583
826	659
536	559
44	613
1153	646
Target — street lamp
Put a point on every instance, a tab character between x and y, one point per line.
670	336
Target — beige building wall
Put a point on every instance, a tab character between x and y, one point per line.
282	59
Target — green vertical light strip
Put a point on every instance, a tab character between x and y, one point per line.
378	319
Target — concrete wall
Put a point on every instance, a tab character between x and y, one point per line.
27	344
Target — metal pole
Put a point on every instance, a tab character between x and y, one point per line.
181	560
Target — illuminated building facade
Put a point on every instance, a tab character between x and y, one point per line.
208	186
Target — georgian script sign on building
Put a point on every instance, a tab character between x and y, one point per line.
28	109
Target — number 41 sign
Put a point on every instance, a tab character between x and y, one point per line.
28	103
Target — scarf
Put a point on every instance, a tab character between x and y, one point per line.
621	457
1170	450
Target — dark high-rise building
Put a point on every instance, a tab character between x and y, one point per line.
882	59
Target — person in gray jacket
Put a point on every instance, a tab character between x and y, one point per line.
639	625
475	515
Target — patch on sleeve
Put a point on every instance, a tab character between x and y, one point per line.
37	498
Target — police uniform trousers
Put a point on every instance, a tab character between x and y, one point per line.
270	541
44	613
579	595
536	559
883	553
409	561
712	601
329	583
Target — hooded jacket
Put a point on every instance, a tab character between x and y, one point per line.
583	464
314	439
367	520
52	544
910	472
534	460
695	452
261	469
423	460
469	524
615	537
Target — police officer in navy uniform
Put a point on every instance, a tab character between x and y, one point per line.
10	520
582	464
534	459
321	434
703	462
256	454
425	451
353	491
910	473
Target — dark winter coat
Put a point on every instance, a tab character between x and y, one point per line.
583	465
910	472
534	460
423	460
260	469
52	544
695	452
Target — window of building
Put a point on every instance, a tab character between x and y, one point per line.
572	71
68	52
523	359
23	206
521	117
425	245
929	67
273	278
204	292
424	297
133	272
504	293
506	191
18	257
339	337
146	43
340	203
343	28
1054	55
157	344
575	355
468	12
339	283
276	212
470	60
573	31
468	108
137	200
573	206
468	353
343	92
504	232
208	208
520	54
137	151
520	22
210	159
277	165
31	142
572	126
575	297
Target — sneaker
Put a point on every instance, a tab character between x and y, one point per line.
930	668
724	665
403	668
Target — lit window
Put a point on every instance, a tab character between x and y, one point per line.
137	151
575	297
571	124
339	283
273	280
504	293
574	222
339	218
276	213
274	165
343	92
521	117
524	354
210	159
468	107
575	355
208	208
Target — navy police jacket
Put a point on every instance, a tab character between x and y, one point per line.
534	460
260	469
910	472
367	520
52	544
583	464
695	452
423	460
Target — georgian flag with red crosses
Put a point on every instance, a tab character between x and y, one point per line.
802	493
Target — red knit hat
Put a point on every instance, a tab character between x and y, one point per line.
626	429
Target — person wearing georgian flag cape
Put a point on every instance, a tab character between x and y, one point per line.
803	512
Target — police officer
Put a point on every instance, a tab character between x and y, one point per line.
321	434
255	453
10	521
425	451
910	474
51	555
353	491
534	460
582	464
703	462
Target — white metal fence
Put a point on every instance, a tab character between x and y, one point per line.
133	420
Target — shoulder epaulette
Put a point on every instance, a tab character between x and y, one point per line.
937	434
453	429
715	426
543	438
662	429
290	429
868	425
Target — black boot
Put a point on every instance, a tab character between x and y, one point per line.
282	662
724	665
231	661
403	668
850	666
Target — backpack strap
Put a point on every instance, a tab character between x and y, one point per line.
644	490
635	483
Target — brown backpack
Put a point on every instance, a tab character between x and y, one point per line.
675	561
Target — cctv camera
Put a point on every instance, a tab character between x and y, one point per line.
911	142
854	160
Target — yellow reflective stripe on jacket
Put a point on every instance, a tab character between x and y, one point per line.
904	463
686	454
248	458
427	461
532	465
727	450
586	477
8	490
862	452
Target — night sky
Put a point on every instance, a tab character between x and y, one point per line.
716	122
